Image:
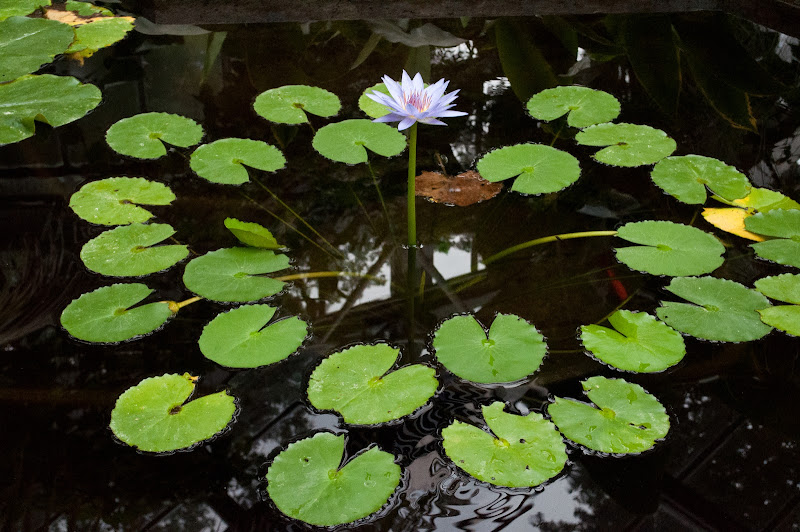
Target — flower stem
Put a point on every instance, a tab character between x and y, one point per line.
175	306
412	175
545	240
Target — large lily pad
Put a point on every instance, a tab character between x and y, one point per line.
28	43
289	104
624	419
307	481
585	106
357	383
143	135
241	338
723	310
686	178
669	249
154	416
235	274
224	161
16	8
347	141
523	451
108	315
125	251
252	234
784	225
512	349
628	144
640	342
54	100
541	169
116	200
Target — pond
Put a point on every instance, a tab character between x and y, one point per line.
720	86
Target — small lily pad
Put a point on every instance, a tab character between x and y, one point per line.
357	383
252	234
347	141
624	419
124	251
541	169
669	249
784	224
785	318
372	108
640	342
235	274
116	200
512	349
28	43
289	104
99	34
723	310
784	287
307	481
628	144
224	161
686	178
585	106
17	8
154	416
108	315
241	338
143	135
523	451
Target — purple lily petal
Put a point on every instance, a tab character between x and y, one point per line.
406	123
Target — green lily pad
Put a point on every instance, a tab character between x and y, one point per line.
18	8
765	200
640	342
143	135
541	169
124	251
307	481
784	287
723	310
116	200
513	349
669	249
686	178
628	144
105	315
99	34
85	9
372	108
523	451
347	141
154	416
224	161
356	382
252	234
241	338
624	419
784	224
289	104
54	100
585	106
28	43
785	318
235	274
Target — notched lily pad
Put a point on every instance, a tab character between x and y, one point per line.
307	481
348	141
116	200
784	226
686	178
126	251
29	43
539	169
357	383
252	234
585	106
628	144
784	287
624	418
372	108
521	451
223	161
464	189
235	274
289	104
143	135
99	34
154	416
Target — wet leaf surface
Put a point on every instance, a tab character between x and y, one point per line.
235	274
289	104
539	169
28	43
224	161
143	135
348	141
126	251
686	178
628	144
116	200
583	106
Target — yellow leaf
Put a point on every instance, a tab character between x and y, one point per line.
730	220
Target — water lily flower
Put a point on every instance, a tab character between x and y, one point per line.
410	101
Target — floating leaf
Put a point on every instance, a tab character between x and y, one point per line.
686	178
124	251
724	311
523	452
224	161
586	107
99	34
16	8
784	287
626	419
235	274
115	200
356	382
640	343
241	338
541	169
669	249
54	100
764	200
85	9
346	141
785	318
105	315
28	43
307	481
730	220
289	104
513	349
784	224
628	144
252	234
372	108
466	188
143	135
154	416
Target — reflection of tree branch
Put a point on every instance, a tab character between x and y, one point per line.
441	282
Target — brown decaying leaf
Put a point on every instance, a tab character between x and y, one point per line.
464	189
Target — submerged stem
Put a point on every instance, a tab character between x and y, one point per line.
545	240
412	175
380	197
317	275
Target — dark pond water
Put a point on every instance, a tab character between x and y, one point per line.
731	460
